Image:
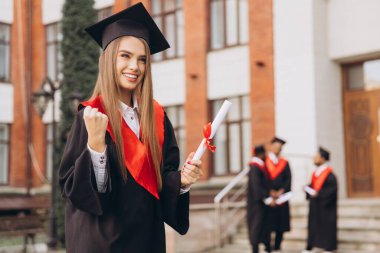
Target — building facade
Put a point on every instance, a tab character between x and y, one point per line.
305	70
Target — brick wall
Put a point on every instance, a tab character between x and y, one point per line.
196	105
262	70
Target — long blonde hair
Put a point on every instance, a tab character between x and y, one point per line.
107	85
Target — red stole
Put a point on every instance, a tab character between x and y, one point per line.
317	182
260	166
137	158
274	170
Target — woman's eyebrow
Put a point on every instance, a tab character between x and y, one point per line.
124	51
127	52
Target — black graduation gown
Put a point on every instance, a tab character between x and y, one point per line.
126	218
279	216
322	224
257	191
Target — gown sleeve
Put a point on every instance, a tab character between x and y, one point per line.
175	206
288	178
76	174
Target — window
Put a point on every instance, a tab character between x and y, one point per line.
53	51
229	23
5	34
104	13
4	153
233	139
168	16
364	76
176	114
49	151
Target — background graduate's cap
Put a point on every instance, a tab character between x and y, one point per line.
324	153
258	150
278	140
133	21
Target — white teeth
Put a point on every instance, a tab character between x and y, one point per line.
130	75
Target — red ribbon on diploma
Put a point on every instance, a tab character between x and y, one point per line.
207	134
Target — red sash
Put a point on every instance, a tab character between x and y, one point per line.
274	170
317	182
137	158
260	166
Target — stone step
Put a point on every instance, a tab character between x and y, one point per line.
287	248
344	224
343	211
343	236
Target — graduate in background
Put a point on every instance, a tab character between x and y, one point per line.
280	178
119	171
258	191
323	195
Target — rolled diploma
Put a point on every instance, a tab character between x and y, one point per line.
309	190
284	198
222	113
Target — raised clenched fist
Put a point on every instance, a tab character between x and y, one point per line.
96	125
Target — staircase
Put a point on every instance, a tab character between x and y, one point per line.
358	229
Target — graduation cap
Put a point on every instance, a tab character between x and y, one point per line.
324	153
258	150
278	140
134	21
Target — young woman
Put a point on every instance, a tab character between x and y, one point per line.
119	171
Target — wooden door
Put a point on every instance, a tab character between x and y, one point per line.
362	136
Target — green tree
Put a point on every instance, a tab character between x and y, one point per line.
80	58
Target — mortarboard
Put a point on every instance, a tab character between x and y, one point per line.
279	140
134	21
324	153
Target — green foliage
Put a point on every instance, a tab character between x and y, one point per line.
80	61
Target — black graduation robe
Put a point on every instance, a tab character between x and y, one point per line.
322	224
256	209
126	218
279	216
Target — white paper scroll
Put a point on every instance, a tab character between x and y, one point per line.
214	127
268	200
284	198
309	190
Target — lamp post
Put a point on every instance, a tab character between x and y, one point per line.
41	99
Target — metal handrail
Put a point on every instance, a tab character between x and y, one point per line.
229	205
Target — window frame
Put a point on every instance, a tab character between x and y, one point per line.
9	80
225	44
178	127
162	15
49	141
57	44
9	152
227	124
346	69
101	12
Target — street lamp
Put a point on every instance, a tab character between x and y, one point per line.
41	99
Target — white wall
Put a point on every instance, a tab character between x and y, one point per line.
353	28
228	72
52	9
328	90
169	82
295	117
6	103
307	89
6	11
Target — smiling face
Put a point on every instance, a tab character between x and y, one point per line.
130	63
